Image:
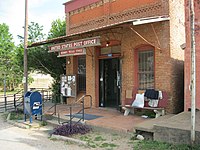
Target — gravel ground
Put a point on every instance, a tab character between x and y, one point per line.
12	138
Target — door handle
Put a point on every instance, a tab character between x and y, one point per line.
118	79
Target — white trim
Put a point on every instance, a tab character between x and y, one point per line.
150	20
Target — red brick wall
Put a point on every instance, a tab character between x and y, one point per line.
165	36
177	38
104	13
75	4
188	56
163	63
113	7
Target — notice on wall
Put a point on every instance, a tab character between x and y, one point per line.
68	85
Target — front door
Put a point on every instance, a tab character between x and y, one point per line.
109	79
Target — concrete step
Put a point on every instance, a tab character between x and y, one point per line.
148	125
177	129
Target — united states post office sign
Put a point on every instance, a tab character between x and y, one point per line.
82	43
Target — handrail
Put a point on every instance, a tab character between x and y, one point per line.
82	100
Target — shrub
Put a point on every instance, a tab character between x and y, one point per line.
65	130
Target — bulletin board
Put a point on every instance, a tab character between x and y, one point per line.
68	85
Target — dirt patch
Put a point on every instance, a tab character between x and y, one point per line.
107	141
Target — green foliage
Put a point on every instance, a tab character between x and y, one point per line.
9	70
58	28
11	64
98	141
56	92
43	123
38	57
17	115
152	145
99	138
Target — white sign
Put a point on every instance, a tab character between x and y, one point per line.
36	105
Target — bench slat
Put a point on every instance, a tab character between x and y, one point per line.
151	108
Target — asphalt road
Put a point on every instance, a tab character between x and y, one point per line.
15	138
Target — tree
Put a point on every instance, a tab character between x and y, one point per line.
8	69
38	57
58	28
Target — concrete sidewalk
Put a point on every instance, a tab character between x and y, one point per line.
110	118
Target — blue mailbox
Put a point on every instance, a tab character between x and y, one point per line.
32	104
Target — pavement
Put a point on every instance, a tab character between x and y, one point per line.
12	138
111	119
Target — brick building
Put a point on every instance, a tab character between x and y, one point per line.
118	45
188	55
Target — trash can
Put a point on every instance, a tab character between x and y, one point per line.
32	104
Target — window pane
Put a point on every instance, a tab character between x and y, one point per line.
82	73
146	69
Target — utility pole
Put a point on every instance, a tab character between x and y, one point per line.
25	78
193	71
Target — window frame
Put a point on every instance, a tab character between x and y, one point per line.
139	49
78	86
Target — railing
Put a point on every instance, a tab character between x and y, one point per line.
12	102
71	116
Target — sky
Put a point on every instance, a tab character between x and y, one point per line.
12	12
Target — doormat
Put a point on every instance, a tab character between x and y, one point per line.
86	116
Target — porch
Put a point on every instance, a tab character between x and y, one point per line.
105	118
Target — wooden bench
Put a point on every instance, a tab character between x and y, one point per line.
159	110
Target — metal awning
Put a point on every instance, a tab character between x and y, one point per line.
132	21
49	41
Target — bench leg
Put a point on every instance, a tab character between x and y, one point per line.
159	113
127	111
163	112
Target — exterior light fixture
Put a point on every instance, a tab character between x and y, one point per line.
107	43
68	61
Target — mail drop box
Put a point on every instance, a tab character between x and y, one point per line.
33	103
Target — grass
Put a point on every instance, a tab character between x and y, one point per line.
98	140
8	93
43	123
106	141
154	145
16	115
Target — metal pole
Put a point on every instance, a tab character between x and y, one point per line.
193	71
25	79
83	109
15	102
4	83
5	101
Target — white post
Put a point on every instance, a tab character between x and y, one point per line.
193	71
25	78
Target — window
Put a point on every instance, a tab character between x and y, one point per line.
146	69
81	73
